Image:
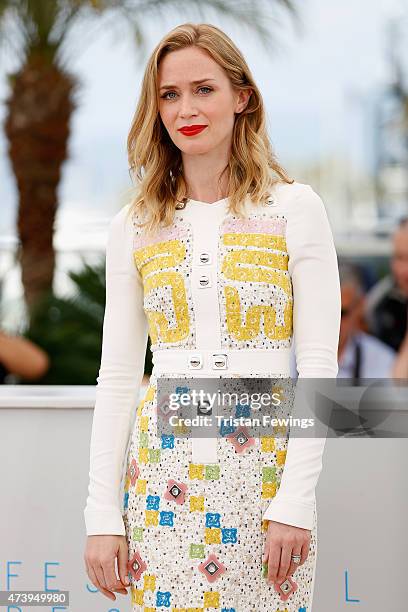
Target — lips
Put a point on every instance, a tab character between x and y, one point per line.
191	130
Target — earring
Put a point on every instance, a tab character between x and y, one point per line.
182	204
271	201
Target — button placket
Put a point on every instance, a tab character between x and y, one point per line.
204	281
206	304
205	258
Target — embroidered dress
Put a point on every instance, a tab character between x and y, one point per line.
219	296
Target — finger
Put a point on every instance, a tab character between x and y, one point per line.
123	557
284	562
94	579
273	560
265	553
297	550
305	551
111	580
97	568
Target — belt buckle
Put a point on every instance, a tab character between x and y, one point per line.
195	362
219	361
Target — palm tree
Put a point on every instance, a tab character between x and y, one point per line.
42	100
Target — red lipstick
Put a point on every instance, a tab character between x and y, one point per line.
191	130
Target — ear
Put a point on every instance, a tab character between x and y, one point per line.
243	99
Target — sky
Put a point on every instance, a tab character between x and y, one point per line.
318	88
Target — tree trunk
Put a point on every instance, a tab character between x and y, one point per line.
37	127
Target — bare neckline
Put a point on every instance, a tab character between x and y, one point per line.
216	203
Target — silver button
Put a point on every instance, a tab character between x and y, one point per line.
205	258
204	281
219	361
271	201
195	362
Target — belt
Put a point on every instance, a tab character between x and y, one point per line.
229	361
206	363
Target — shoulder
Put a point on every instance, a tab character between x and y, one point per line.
305	213
121	231
124	221
297	197
122	217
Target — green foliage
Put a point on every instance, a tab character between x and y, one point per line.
70	330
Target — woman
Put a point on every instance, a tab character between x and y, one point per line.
220	258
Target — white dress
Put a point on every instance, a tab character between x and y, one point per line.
220	297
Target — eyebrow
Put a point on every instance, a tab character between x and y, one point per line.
191	83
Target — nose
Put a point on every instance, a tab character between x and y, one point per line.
187	106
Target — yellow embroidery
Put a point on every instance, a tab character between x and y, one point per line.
244	265
251	327
268	490
141	486
151	517
143	455
267	444
144	423
197	503
280	457
211	599
196	470
149	396
137	596
149	582
151	261
212	535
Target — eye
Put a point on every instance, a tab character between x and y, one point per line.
205	87
166	94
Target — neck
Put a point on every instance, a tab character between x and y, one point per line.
206	176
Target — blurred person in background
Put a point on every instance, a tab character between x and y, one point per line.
386	304
21	357
400	368
360	355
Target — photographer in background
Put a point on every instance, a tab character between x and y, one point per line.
386	303
360	354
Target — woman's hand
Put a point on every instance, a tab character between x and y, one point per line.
281	542
100	554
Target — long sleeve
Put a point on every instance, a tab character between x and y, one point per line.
314	272
121	370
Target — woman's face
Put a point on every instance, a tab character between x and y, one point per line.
212	102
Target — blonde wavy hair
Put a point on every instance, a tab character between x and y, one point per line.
156	163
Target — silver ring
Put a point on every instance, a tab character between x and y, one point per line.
296	559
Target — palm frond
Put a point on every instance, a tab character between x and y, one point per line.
260	17
46	24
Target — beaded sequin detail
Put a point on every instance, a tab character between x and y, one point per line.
255	289
194	531
205	552
164	262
